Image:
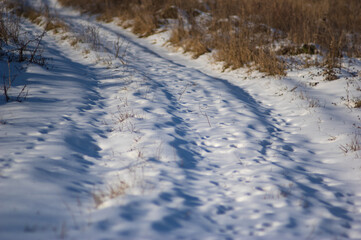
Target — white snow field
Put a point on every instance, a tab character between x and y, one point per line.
152	144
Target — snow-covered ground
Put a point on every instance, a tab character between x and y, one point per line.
152	144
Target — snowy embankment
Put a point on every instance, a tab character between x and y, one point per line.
148	144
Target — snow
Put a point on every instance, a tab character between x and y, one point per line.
174	148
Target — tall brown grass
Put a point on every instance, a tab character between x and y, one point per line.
243	31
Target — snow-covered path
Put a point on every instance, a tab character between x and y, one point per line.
196	155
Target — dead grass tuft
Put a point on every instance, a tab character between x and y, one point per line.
353	146
170	12
357	103
56	26
31	14
294	50
190	40
145	25
112	191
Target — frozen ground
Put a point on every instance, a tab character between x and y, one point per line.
154	145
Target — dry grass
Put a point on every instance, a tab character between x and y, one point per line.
353	146
56	26
297	50
31	14
357	103
190	40
41	16
244	32
112	191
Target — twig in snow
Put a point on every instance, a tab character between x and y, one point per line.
206	115
185	89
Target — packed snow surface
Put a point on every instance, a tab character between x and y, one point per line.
151	144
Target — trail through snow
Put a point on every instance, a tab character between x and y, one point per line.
197	156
